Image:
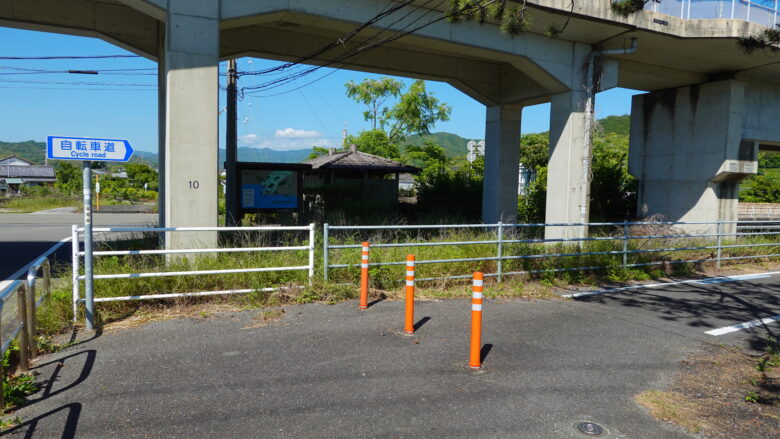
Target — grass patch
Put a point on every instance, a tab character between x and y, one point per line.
538	277
35	204
719	394
671	407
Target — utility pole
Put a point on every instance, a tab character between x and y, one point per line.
231	147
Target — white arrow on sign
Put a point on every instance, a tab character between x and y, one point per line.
88	149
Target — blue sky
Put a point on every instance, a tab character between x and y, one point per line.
123	104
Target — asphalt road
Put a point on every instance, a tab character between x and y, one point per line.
24	237
334	371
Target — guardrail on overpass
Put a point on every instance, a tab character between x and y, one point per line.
764	12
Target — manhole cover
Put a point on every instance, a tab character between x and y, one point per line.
590	428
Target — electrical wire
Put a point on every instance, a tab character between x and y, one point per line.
123	84
67	57
361	50
338	42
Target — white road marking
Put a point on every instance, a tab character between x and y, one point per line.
722	279
666	284
741	326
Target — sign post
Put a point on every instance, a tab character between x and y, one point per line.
88	150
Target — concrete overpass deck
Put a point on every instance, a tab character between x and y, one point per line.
595	50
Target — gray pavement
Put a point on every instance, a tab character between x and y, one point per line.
25	236
336	371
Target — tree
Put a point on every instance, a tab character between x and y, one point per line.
427	156
762	190
67	178
375	142
318	151
534	150
416	112
139	175
374	93
624	8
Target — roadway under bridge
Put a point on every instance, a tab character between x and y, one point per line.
709	106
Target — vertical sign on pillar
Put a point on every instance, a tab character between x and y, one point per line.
88	150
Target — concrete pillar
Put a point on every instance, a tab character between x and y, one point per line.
689	151
192	81
502	158
565	167
161	129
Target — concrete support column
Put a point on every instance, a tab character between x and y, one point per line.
502	159
565	168
161	129
192	86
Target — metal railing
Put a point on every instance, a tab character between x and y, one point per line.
24	327
78	254
764	12
715	237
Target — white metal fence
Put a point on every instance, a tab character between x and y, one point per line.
631	239
78	256
764	12
20	322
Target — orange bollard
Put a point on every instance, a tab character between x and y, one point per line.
364	277
475	362
409	326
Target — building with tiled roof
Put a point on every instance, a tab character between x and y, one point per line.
371	178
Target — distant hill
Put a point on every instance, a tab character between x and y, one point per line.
36	152
620	125
453	144
29	150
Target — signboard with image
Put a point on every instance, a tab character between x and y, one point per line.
270	187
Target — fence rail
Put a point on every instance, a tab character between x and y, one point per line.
77	256
23	328
673	237
764	12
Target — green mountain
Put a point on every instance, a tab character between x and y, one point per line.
30	150
620	125
35	152
453	144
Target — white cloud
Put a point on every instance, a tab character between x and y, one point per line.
284	142
248	139
292	133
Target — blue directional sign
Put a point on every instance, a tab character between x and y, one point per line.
88	149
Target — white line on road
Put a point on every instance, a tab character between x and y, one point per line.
666	284
741	326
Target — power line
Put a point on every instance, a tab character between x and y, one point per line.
338	42
28	71
355	52
123	84
67	57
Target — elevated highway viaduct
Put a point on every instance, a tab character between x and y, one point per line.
695	134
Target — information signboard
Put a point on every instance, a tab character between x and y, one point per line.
270	187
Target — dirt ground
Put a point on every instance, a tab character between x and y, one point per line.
721	393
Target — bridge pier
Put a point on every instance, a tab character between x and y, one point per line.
502	159
191	63
691	146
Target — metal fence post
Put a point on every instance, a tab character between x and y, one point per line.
325	251
311	252
625	244
719	238
24	335
2	354
75	269
31	278
499	262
